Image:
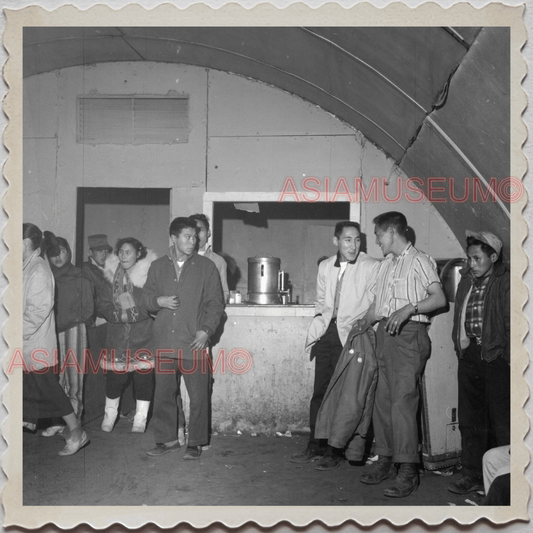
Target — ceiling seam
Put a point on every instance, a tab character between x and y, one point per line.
279	69
365	64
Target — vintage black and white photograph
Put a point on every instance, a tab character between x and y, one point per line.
270	265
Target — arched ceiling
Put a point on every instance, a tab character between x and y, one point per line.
436	100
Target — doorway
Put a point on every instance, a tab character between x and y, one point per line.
122	212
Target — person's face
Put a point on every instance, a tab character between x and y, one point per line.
59	260
128	255
27	249
348	243
203	233
184	243
384	239
480	263
99	256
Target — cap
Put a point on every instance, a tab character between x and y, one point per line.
99	242
488	238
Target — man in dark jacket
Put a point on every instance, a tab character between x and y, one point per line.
93	270
481	335
184	290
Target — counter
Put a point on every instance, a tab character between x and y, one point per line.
263	379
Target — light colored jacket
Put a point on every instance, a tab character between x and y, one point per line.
222	268
39	343
356	296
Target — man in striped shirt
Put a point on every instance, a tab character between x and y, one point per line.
407	289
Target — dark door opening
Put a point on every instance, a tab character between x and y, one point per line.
122	212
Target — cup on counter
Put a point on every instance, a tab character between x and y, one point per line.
231	299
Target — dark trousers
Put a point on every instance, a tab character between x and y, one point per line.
143	384
401	361
43	396
484	407
197	377
326	353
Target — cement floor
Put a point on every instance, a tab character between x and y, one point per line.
236	470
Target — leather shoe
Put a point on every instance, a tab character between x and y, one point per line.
307	456
465	485
162	449
192	452
329	462
406	481
382	469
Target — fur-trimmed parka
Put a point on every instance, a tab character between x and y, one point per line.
129	323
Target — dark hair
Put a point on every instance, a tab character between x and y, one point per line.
339	227
51	244
179	224
488	250
138	245
32	232
54	244
393	219
200	217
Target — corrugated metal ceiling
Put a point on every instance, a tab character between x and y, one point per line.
436	100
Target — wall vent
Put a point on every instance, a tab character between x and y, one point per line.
133	120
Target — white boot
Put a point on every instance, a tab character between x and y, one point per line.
111	413
139	422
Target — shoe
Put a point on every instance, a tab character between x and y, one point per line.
76	440
111	413
192	452
382	469
329	462
162	449
406	481
139	421
29	427
308	456
53	430
465	485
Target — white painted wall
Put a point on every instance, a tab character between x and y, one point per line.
245	136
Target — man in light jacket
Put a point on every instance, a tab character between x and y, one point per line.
344	293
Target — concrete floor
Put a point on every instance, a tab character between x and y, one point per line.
236	470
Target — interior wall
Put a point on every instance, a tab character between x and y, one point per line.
244	136
147	223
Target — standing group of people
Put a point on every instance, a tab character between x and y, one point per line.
137	312
369	339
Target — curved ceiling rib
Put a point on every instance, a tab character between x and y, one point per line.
365	64
384	81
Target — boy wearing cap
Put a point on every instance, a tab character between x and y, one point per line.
93	270
481	335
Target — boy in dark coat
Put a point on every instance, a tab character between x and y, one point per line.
481	335
184	290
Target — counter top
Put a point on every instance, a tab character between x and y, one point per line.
270	310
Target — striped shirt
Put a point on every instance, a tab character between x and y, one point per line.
404	280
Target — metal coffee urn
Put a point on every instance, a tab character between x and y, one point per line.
263	272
